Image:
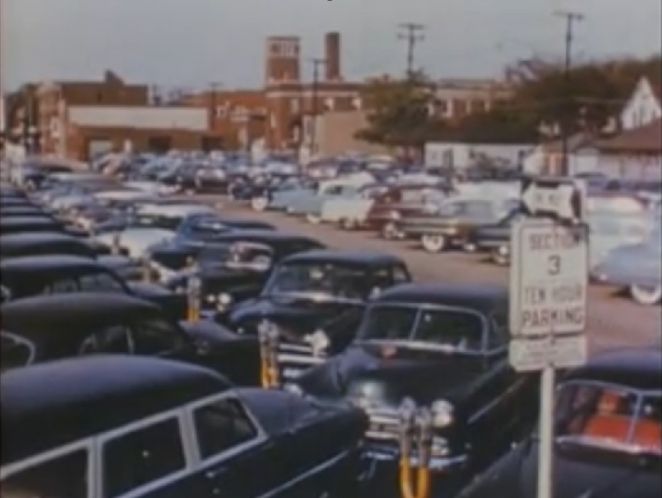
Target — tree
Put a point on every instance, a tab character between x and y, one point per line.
399	112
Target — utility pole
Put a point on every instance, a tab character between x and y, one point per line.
214	86
317	63
413	34
570	18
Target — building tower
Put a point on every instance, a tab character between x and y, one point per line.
332	57
283	54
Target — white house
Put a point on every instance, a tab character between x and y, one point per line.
643	107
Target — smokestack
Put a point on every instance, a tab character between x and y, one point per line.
332	56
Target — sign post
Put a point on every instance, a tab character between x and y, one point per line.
548	289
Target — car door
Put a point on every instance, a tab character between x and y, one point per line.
237	459
148	459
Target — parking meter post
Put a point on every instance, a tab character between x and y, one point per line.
193	298
407	435
425	435
115	245
263	338
546	467
146	269
274	370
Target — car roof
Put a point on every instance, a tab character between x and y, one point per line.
73	312
174	210
51	263
55	403
17	244
264	236
29	220
351	258
485	298
635	367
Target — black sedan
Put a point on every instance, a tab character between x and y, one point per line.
315	300
63	325
52	274
232	269
608	435
443	347
122	426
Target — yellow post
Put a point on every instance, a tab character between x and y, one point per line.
194	288
407	433
425	436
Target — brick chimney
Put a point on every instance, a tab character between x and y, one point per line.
282	59
332	56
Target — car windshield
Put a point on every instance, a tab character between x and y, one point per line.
450	329
155	221
319	281
609	416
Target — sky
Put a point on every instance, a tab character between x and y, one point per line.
190	43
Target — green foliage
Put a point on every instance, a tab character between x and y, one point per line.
584	99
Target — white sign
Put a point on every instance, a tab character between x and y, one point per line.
554	197
549	279
528	355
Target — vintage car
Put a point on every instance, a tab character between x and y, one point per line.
608	435
316	300
309	203
36	243
35	275
195	177
610	229
69	324
24	210
439	346
232	269
401	202
350	209
151	224
637	267
37	223
143	427
495	239
452	222
50	243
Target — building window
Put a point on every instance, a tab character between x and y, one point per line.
329	104
295	106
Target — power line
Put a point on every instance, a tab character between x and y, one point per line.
413	33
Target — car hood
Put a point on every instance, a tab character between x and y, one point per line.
391	374
576	475
293	314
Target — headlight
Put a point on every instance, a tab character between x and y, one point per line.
211	298
224	298
319	342
442	414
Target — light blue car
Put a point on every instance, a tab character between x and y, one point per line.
637	267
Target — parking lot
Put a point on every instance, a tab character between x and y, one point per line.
613	320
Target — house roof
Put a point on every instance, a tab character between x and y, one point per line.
646	139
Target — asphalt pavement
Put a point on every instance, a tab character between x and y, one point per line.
614	320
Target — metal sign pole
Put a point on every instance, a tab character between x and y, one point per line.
546	445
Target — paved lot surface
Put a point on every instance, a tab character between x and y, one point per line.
613	320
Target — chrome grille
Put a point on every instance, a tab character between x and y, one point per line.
296	358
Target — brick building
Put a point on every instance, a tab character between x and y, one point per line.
78	119
277	112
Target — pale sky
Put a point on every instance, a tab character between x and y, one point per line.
193	42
